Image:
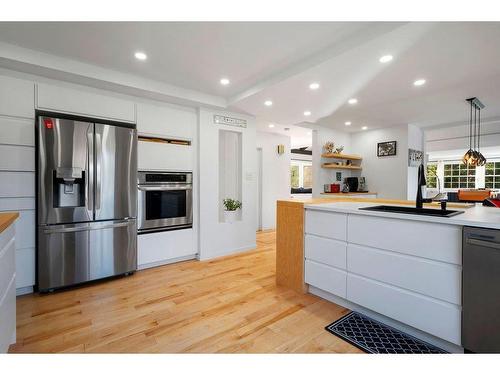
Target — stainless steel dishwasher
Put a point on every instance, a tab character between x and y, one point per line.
481	290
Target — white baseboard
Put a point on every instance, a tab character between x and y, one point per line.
24	290
166	261
440	343
229	252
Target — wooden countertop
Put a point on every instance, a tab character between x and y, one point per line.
6	219
351	193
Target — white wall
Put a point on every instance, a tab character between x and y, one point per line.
275	174
218	238
321	176
387	176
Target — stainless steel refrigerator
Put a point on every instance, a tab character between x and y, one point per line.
86	200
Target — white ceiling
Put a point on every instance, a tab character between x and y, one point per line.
278	61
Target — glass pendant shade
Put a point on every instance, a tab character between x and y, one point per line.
473	156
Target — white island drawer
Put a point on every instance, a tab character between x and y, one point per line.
427	240
327	278
438	318
326	224
435	279
324	250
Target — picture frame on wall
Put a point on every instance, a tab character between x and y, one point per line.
386	148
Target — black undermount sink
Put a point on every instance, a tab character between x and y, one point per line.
413	211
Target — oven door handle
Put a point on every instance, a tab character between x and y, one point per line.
164	188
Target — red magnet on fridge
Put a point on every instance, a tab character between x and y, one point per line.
49	124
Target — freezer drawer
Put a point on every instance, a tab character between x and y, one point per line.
75	253
481	290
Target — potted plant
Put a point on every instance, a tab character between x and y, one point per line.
230	207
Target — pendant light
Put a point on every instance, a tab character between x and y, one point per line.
473	156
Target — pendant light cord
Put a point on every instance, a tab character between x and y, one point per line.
478	129
475	127
470	128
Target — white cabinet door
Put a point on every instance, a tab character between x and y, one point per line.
162	247
326	224
17	131
324	250
85	102
326	278
167	121
7	289
438	318
441	242
17	97
17	184
434	279
155	156
17	158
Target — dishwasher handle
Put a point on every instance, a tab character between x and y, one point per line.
477	242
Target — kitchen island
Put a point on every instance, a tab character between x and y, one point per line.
404	270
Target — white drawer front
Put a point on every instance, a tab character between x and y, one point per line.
440	319
441	242
84	101
327	278
326	224
431	278
17	97
324	250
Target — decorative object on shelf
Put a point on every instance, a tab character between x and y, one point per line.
281	149
415	157
386	148
328	147
339	150
230	209
362	184
473	156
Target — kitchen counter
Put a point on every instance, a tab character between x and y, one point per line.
476	215
6	219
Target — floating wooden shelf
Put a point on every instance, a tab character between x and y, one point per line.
341	156
334	166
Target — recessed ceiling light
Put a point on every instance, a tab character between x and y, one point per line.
347	123
140	56
352	101
224	81
419	82
268	103
307	113
309	133
314	86
385	59
364	128
271	125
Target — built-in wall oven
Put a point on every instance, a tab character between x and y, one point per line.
165	201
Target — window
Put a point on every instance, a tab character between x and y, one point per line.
431	175
459	176
301	174
492	175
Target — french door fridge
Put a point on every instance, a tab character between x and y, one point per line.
86	201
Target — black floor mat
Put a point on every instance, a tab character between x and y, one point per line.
374	337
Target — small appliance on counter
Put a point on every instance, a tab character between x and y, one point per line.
355	184
331	188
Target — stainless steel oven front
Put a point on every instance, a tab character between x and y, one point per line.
165	201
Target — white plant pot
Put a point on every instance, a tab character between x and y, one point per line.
230	216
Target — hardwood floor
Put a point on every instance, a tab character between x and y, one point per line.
227	305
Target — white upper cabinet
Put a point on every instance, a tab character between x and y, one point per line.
17	97
167	121
84	102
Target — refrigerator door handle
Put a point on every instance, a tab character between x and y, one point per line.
98	167
89	193
82	228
